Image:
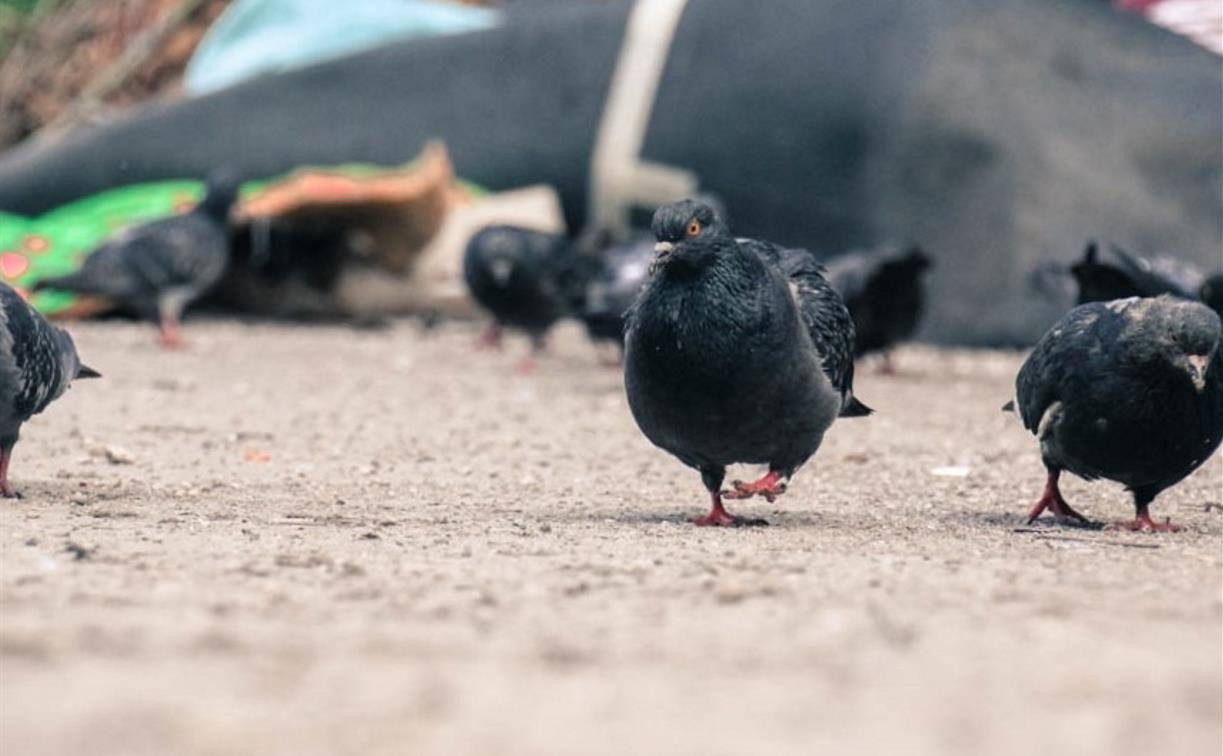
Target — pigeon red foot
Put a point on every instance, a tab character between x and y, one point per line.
6	490
719	517
1052	499
490	338
770	487
1143	521
170	334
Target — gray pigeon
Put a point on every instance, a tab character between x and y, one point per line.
512	272
1129	390
156	269
37	363
737	350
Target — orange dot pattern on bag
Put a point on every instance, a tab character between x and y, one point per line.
36	244
184	203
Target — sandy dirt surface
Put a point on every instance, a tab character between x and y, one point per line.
320	540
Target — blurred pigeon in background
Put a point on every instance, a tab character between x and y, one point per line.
513	273
1211	292
736	351
37	363
156	269
883	289
1129	390
1108	272
605	282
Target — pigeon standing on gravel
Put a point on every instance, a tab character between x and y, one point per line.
512	273
737	351
37	363
885	295
156	269
1129	390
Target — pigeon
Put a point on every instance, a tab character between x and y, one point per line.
1108	272
156	269
512	272
1211	293
736	351
37	363
609	273
883	290
1129	390
609	285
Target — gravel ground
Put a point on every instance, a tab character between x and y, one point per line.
317	540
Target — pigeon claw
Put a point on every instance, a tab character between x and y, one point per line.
1144	522
719	517
725	519
1052	500
770	487
170	335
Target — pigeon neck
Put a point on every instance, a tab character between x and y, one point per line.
218	201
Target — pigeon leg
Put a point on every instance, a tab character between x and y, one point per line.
527	365
1052	499
491	338
886	366
770	487
718	516
6	490
1143	521
170	307
171	335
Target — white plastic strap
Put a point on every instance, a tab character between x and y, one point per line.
619	179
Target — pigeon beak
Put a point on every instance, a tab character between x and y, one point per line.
661	250
84	371
1198	365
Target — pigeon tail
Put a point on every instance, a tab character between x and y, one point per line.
71	282
855	408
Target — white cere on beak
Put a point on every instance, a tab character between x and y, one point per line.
663	248
1198	365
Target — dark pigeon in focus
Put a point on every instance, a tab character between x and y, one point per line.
37	363
884	292
1108	272
513	273
737	351
156	269
608	273
1129	390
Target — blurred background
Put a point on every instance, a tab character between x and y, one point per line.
297	536
1000	139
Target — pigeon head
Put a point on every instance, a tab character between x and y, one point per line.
689	234
1185	333
69	360
500	249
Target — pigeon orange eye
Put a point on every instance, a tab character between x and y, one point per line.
694	228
